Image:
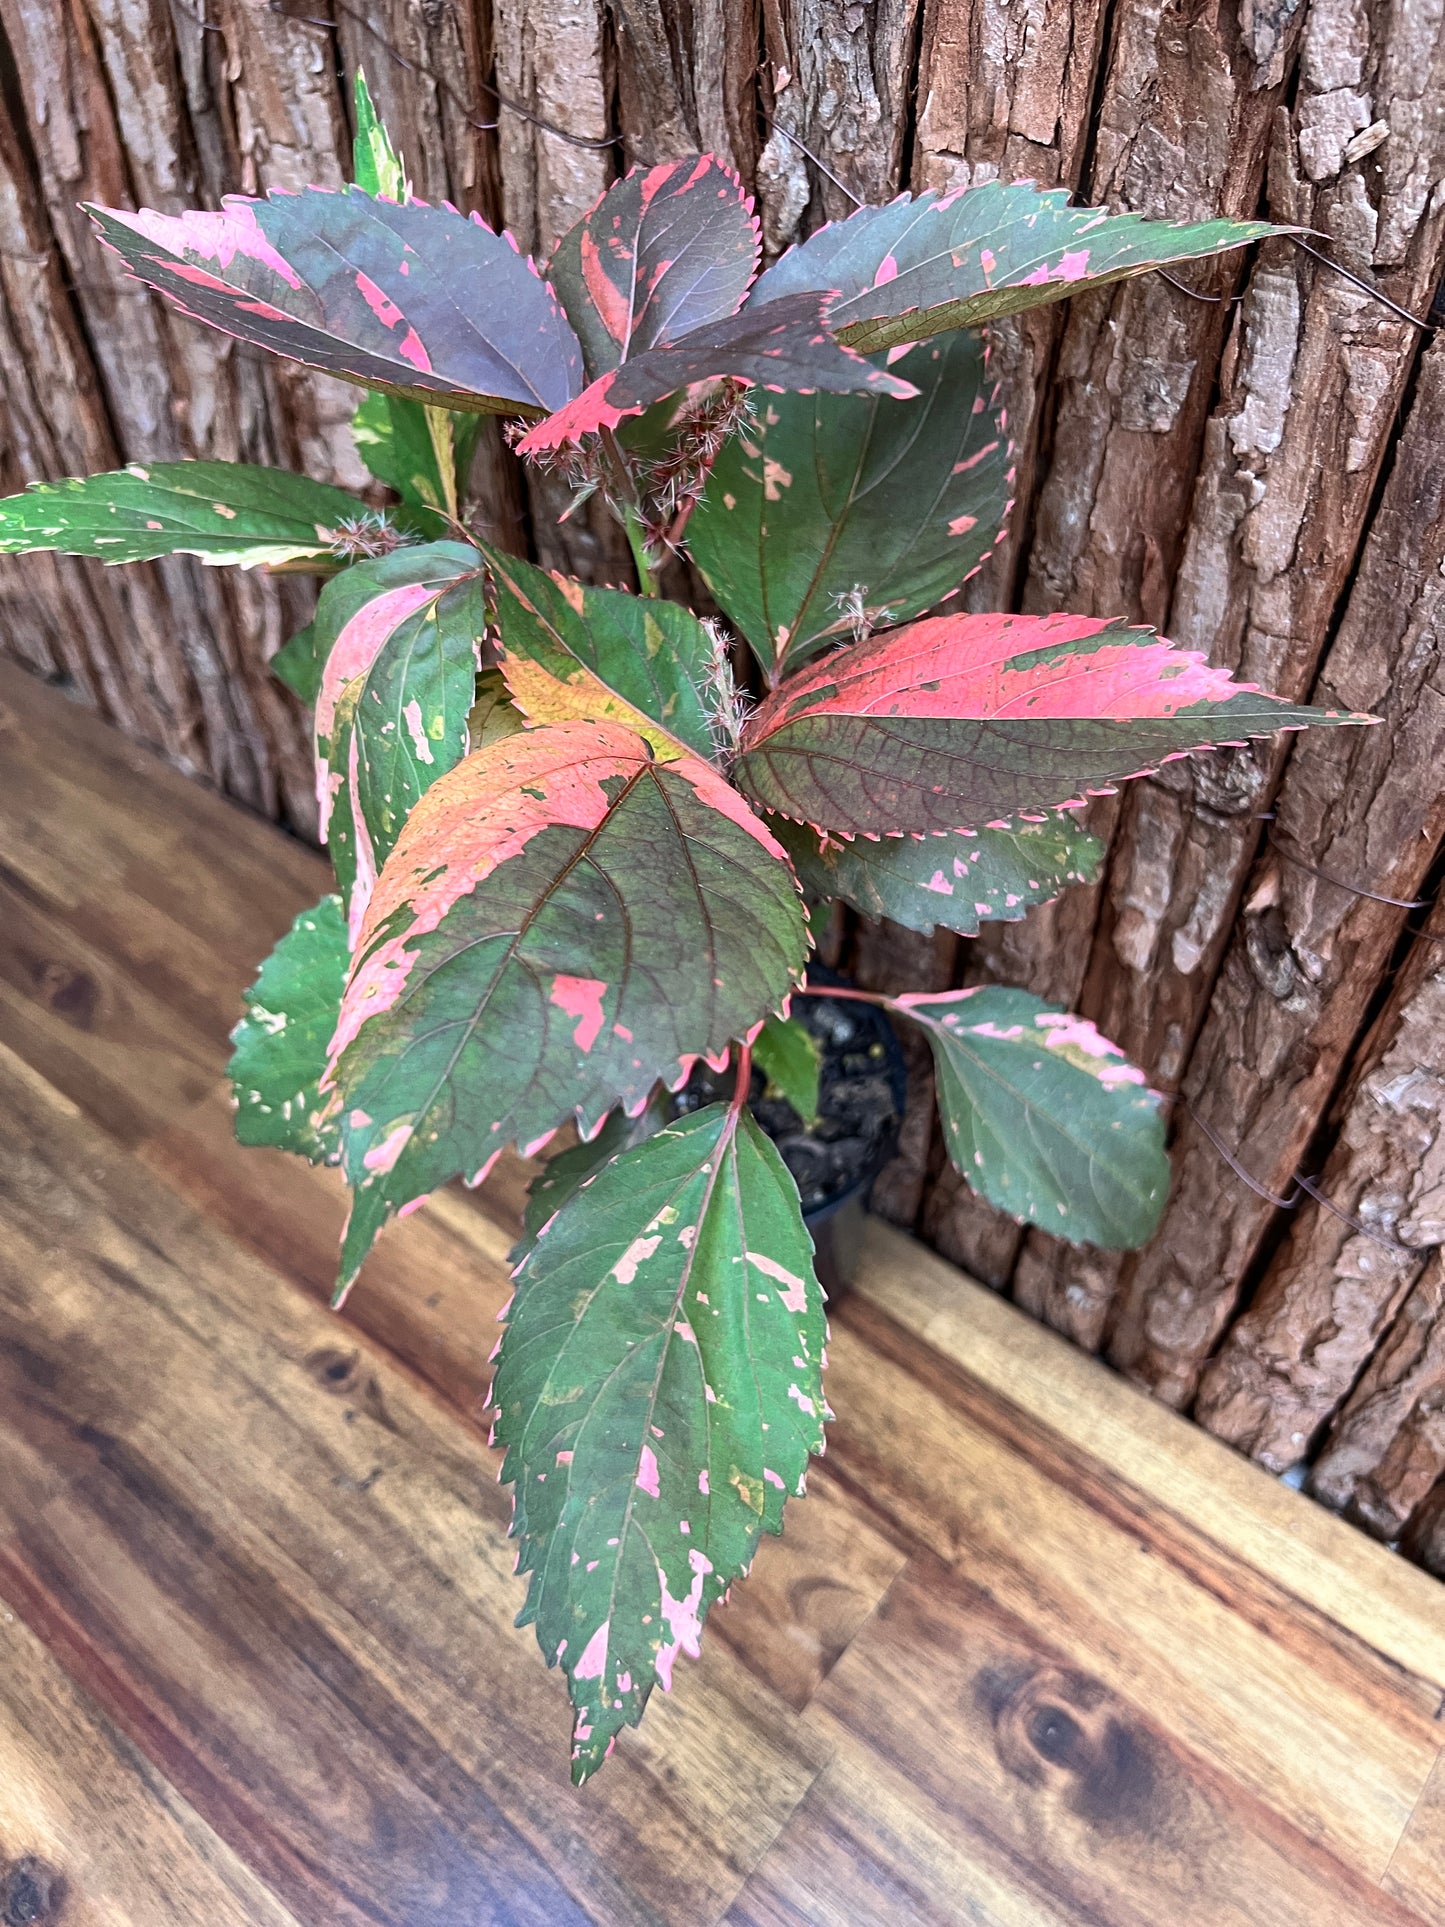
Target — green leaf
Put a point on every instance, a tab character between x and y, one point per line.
297	664
1044	1117
420	452
400	638
564	921
281	1042
564	1175
224	512
374	161
954	879
787	1054
569	651
659	1395
829	515
493	714
919	266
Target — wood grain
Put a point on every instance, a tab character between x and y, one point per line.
90	1832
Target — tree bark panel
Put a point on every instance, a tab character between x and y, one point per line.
1332	1291
1307	954
1312	375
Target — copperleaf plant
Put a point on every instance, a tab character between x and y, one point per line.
579	833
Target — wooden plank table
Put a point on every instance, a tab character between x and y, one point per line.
1034	1651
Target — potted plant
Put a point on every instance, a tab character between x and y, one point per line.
577	830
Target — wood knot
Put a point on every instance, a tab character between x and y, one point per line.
31	1893
1064	1730
71	993
339	1371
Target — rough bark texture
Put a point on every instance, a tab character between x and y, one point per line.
1363	806
1334	1287
1210	465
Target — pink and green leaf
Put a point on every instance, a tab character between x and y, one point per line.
919	266
281	1041
573	653
786	348
830	515
411	299
564	1175
232	513
1045	1118
667	249
659	1394
950	880
400	638
564	921
957	721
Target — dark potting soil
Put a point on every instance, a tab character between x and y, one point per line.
860	1101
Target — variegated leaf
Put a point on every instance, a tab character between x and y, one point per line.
416	300
1044	1117
281	1042
564	921
918	266
659	1395
562	1176
375	164
225	512
830	515
957	721
952	879
570	652
400	637
667	249
785	347
493	714
423	453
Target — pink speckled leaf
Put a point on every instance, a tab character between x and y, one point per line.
659	1394
830	515
398	639
1043	1116
667	249
785	346
411	299
916	267
563	921
958	721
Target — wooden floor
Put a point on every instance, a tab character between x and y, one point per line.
1033	1652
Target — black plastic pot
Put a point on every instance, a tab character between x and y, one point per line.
863	1089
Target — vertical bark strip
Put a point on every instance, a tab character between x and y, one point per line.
1331	1292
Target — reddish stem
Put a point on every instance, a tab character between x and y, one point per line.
745	1076
837	990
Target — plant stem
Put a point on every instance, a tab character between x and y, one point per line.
637	542
745	1076
629	512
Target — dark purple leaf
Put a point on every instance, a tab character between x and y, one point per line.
784	346
412	299
667	249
